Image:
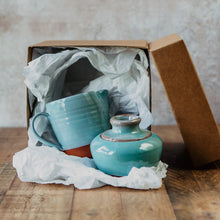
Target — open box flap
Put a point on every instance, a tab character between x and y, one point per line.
187	99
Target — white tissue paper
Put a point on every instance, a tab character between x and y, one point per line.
60	72
49	165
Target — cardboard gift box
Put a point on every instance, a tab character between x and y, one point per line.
182	85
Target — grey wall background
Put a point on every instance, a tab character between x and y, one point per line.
25	22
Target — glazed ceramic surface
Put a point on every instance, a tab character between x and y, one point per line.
77	119
116	151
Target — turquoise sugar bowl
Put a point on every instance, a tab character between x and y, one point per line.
117	150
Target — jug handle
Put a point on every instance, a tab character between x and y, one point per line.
43	141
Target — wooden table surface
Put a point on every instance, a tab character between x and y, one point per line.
186	193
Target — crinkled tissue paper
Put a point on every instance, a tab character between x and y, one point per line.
126	79
49	165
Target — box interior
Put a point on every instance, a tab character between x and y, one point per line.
73	83
70	82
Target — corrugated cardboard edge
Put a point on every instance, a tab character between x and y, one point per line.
187	98
28	111
94	43
142	44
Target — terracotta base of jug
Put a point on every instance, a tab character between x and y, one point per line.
83	151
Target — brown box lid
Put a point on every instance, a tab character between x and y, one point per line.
187	99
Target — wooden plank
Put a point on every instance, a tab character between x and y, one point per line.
208	202
182	189
101	203
11	141
7	175
217	164
35	201
174	151
194	194
152	204
111	203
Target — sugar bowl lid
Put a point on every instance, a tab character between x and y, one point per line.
125	128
